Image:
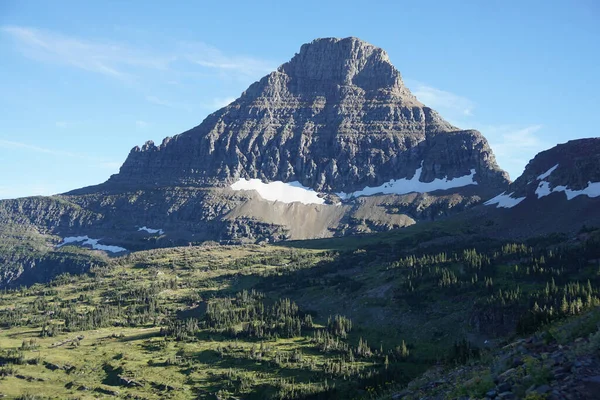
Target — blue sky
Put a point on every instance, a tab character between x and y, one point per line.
83	82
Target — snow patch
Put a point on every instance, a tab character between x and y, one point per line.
86	241
150	230
543	189
404	186
289	192
504	200
591	190
547	173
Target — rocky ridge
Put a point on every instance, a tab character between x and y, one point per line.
559	191
573	165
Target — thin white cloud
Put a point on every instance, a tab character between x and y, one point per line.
210	57
170	104
141	124
218	103
110	59
63	124
514	146
121	61
27	190
112	165
9	144
442	101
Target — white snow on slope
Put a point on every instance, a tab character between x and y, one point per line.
91	242
543	189
150	230
547	173
591	190
404	186
280	191
504	200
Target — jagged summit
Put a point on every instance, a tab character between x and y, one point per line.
336	118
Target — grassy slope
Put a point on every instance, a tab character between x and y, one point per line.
353	276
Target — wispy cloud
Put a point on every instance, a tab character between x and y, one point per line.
122	61
159	101
141	124
208	56
63	124
9	144
13	145
112	165
218	103
442	100
514	146
110	59
33	189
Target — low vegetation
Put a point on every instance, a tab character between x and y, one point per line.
350	320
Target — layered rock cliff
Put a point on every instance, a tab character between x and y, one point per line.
336	118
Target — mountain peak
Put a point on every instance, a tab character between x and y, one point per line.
348	62
336	118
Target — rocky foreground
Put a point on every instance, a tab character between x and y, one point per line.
562	363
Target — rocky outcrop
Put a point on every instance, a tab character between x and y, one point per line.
536	367
337	117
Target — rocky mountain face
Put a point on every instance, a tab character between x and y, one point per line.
335	122
336	118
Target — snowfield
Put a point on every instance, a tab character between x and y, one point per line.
547	173
543	189
91	242
150	230
504	200
591	190
294	192
404	186
280	191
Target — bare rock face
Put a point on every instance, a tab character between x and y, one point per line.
336	117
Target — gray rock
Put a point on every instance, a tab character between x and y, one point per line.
507	396
504	387
336	117
401	395
543	389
